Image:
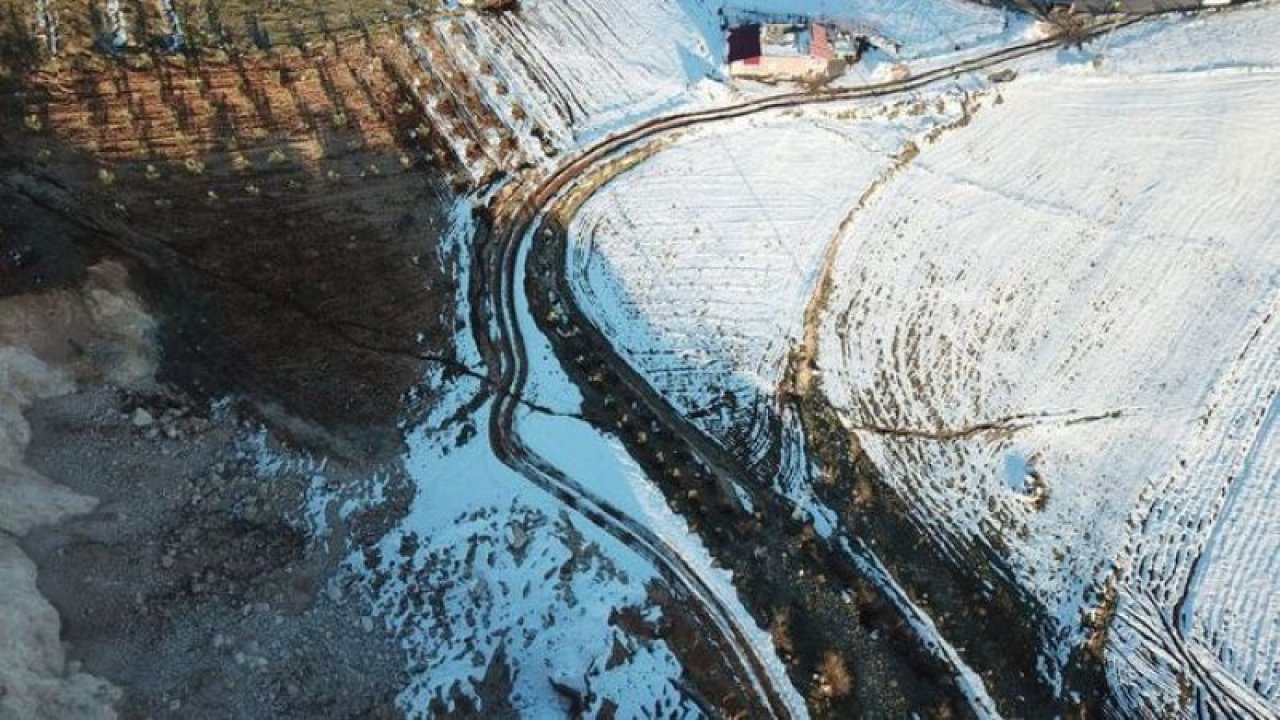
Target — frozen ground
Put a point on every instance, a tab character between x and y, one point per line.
698	263
1051	330
1054	334
580	69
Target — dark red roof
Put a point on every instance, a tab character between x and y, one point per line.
819	45
744	42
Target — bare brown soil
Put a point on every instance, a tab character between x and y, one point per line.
284	220
283	227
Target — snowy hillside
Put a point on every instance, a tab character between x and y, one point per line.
1054	334
578	69
698	263
585	67
1052	330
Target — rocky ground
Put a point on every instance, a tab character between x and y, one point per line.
194	585
169	535
187	318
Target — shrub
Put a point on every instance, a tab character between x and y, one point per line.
836	679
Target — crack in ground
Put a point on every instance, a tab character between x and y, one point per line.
1004	426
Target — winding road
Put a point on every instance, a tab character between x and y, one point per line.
516	222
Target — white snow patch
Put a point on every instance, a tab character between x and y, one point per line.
698	263
467	590
488	577
1082	266
917	28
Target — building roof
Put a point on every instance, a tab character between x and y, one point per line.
750	41
744	42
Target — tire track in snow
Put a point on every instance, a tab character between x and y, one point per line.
1180	539
510	367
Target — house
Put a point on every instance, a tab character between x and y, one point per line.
800	51
490	5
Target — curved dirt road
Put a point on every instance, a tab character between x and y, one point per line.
516	220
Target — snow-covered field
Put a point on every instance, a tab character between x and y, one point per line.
580	69
1052	330
907	28
698	263
1054	334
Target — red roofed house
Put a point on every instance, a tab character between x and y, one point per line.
778	51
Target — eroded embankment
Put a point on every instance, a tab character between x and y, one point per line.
50	342
281	212
280	226
155	556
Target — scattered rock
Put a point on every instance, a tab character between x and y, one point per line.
142	418
519	538
1003	76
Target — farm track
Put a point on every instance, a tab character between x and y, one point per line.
518	219
1182	535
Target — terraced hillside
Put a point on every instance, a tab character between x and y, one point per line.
703	291
1053	336
1049	330
269	179
174	109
